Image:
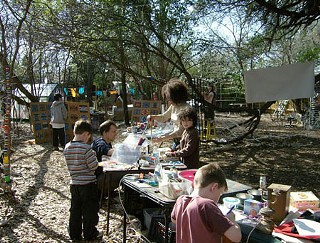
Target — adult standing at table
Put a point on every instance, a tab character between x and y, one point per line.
59	115
175	92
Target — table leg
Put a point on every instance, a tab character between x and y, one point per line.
166	226
102	190
109	201
124	233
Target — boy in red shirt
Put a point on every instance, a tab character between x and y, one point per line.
197	217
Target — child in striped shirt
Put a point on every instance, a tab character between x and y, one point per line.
82	163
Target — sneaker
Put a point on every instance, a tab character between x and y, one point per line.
55	149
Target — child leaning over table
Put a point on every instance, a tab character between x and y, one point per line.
82	163
198	217
188	149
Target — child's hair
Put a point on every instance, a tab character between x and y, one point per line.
82	126
210	173
105	126
190	113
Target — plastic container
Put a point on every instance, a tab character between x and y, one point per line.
257	194
125	153
243	196
252	207
188	174
229	202
150	213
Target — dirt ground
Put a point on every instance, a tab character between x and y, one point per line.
38	210
286	155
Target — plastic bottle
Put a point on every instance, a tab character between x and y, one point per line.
156	155
263	187
157	172
263	182
174	172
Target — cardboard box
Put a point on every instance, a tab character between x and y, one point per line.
304	200
252	207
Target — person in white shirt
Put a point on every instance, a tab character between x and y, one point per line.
58	119
175	92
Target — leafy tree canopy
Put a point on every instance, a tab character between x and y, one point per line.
286	15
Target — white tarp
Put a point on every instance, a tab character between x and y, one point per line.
292	81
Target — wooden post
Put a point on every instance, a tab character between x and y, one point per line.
6	132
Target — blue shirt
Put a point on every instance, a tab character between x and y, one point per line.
101	147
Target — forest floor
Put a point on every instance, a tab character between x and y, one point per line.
38	208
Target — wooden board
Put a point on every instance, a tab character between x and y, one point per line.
143	108
76	111
40	118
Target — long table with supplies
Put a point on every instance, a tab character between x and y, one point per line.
113	171
250	234
152	193
118	172
148	192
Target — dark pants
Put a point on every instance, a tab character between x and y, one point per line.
58	134
84	211
208	112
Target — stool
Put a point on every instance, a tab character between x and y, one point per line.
208	130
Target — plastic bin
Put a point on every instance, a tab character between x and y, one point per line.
149	214
125	153
159	236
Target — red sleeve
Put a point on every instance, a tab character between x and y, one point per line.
214	218
174	210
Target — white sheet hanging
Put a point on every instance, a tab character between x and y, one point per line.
292	81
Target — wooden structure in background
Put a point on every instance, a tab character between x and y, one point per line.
40	119
143	108
76	111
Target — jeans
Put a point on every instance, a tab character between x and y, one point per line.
84	211
58	134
